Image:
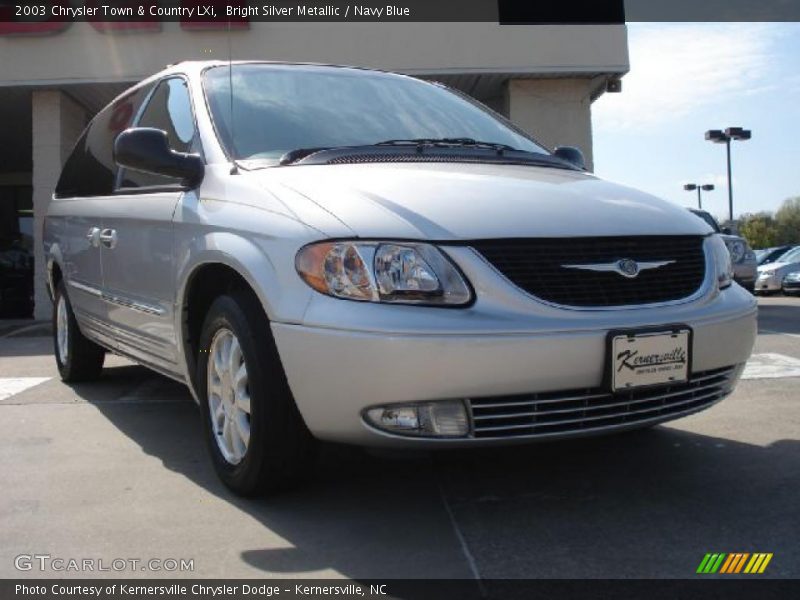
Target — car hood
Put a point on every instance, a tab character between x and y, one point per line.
450	201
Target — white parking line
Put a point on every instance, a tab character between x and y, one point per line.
770	365
10	386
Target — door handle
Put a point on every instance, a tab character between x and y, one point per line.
94	237
108	237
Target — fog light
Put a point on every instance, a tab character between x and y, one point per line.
402	418
447	418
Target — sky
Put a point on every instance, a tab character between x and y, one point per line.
686	78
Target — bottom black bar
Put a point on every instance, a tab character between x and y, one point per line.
419	589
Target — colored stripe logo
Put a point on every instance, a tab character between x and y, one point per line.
735	562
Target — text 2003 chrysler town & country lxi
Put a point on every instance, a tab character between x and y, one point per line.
340	254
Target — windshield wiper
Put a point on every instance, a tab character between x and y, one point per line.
455	142
420	145
298	153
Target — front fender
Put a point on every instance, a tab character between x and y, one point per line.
266	264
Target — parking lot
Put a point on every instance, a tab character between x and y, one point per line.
118	469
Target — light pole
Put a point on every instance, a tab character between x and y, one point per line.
724	137
706	187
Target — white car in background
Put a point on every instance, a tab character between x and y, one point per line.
791	284
771	276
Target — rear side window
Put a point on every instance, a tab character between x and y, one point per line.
169	109
90	169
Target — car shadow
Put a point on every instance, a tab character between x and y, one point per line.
643	504
352	499
25	346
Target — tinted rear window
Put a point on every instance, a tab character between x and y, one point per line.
90	168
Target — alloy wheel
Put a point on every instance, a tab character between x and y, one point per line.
62	330
228	396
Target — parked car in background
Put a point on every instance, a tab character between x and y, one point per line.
742	257
770	255
343	254
771	276
791	284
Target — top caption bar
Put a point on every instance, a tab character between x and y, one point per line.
214	13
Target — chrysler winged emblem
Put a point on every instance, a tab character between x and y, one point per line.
627	267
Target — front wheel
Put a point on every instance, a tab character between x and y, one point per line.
77	357
257	438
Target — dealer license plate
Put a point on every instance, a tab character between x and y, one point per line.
644	359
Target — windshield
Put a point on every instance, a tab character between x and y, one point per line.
278	108
792	256
770	255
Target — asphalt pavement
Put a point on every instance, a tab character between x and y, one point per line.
117	469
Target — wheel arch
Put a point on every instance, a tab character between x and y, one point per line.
53	271
208	279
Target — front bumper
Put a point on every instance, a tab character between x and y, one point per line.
791	287
336	373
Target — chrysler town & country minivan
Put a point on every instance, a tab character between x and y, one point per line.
334	253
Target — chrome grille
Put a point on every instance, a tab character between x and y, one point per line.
536	266
584	411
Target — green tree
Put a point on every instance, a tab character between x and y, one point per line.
760	229
787	221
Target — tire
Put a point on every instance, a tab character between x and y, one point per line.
269	448
77	358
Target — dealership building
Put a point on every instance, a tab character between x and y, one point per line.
55	76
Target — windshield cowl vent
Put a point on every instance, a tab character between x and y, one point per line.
413	157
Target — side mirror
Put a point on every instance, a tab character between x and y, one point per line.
727	231
572	155
147	149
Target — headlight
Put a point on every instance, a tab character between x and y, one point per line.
737	250
722	261
395	272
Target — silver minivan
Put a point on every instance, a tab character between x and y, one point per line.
333	253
